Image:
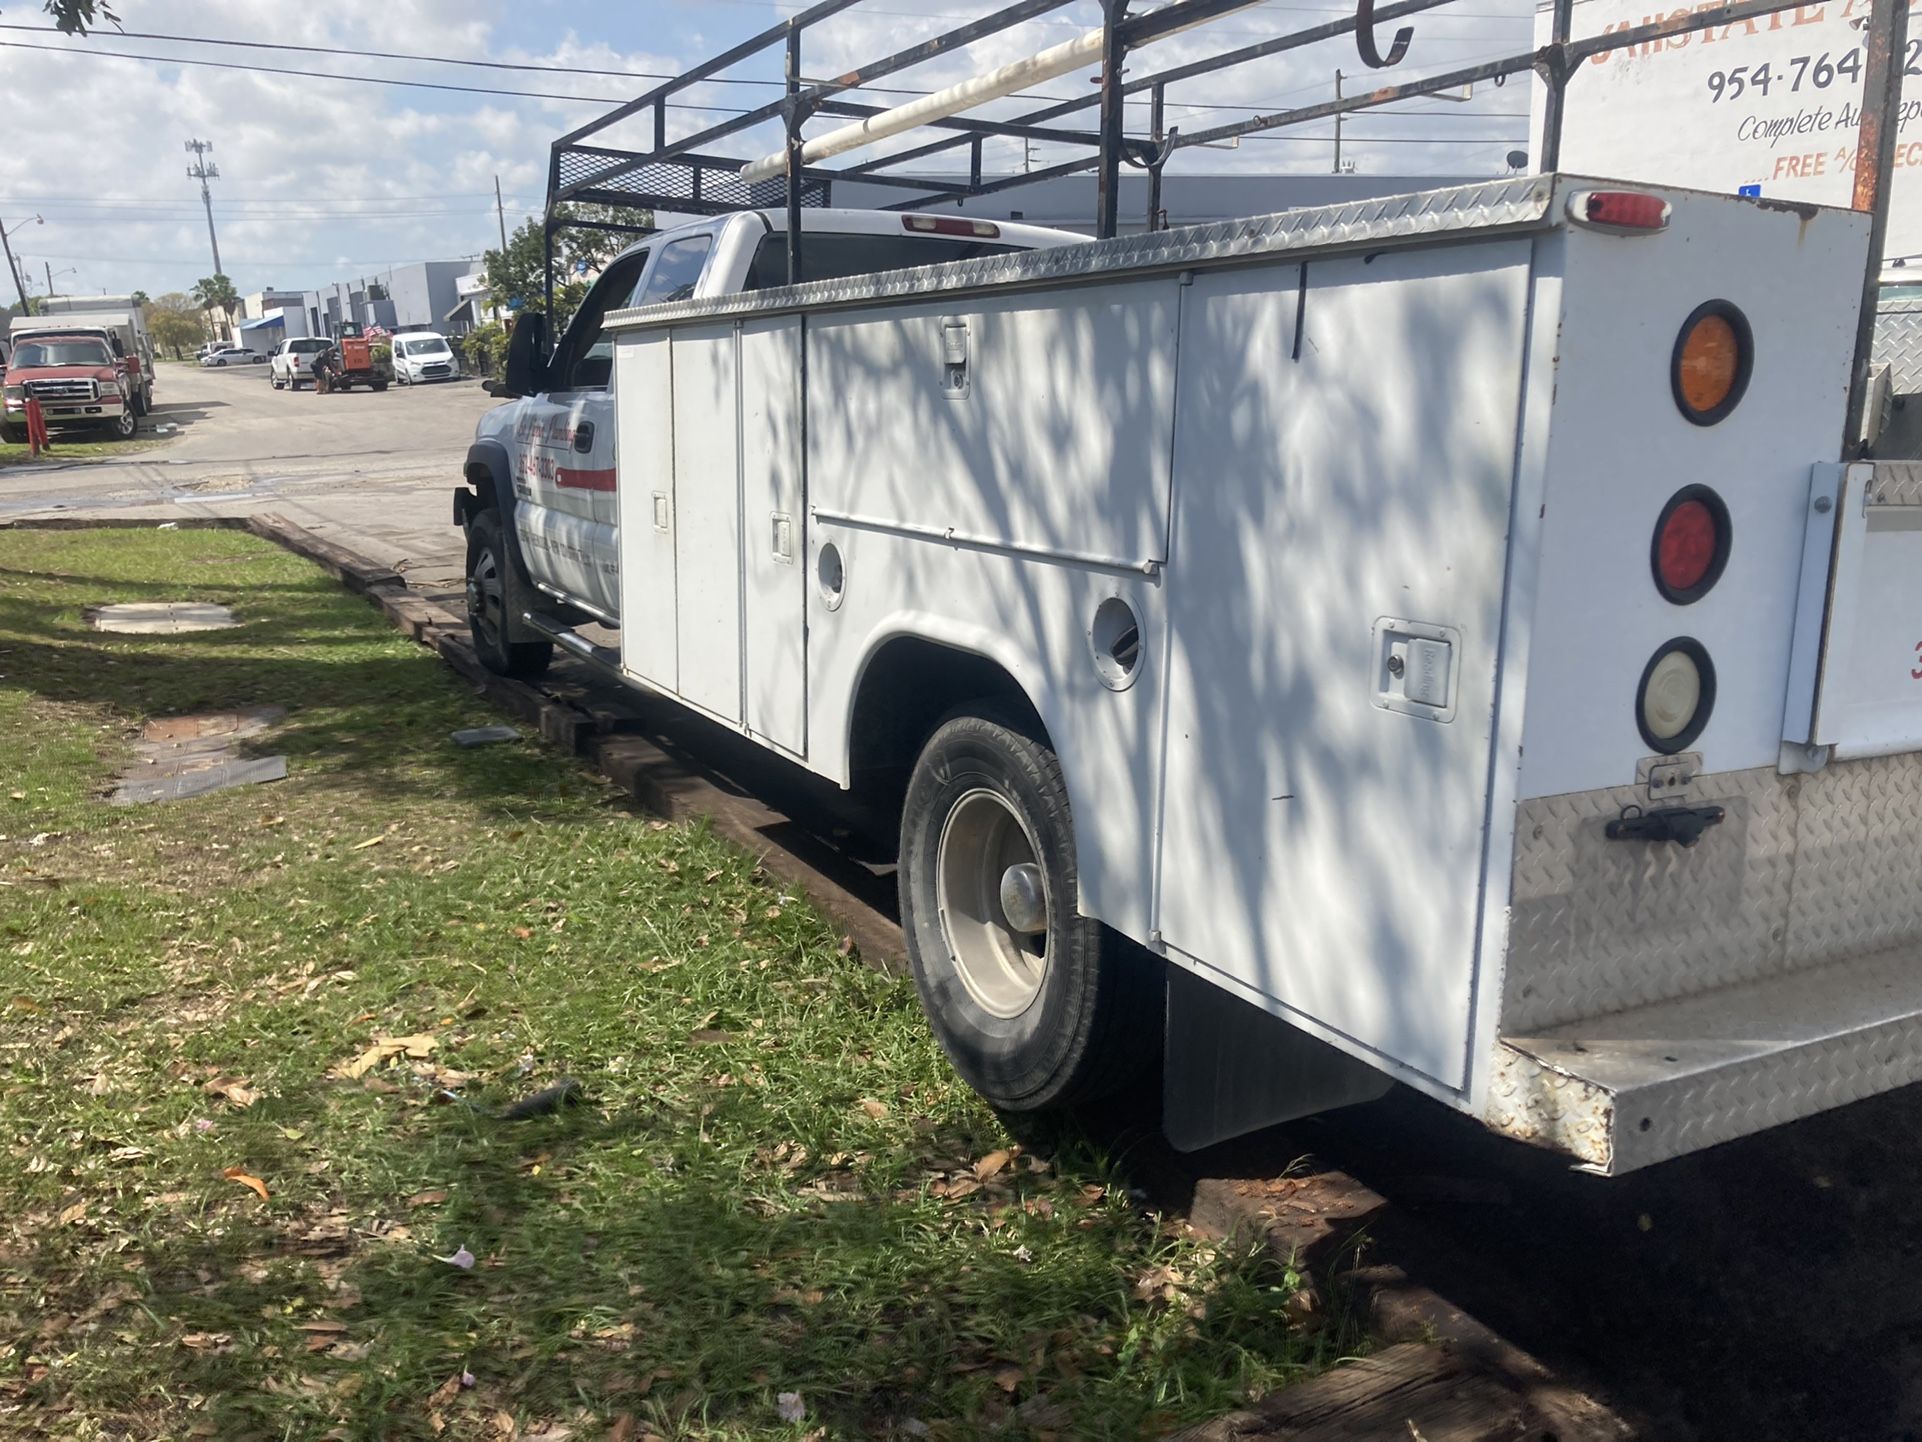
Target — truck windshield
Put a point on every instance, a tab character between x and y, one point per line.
61	353
826	256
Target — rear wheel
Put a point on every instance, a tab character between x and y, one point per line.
1035	1005
494	598
380	386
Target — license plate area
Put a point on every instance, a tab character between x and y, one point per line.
1855	683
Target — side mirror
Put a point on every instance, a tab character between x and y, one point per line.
526	356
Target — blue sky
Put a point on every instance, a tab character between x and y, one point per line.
324	179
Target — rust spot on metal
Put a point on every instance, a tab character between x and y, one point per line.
1799	208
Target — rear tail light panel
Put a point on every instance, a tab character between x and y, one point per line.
1690	546
1707	383
1676	695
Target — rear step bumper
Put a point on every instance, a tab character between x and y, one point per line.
1623	1091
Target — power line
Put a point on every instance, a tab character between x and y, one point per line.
352	79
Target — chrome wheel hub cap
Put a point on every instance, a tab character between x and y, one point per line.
993	902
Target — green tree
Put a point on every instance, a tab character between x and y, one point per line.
216	292
140	298
74	16
177	322
515	273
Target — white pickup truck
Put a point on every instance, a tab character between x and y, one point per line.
293	361
551	454
1430	639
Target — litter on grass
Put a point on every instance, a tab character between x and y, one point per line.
485	735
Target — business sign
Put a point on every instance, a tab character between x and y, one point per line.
1768	107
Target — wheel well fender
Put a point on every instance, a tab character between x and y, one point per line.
490	471
907	682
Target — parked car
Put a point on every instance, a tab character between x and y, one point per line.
293	360
233	355
78	381
423	355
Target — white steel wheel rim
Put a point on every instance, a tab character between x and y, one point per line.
982	838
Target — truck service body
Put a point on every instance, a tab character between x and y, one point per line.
1432	637
116	317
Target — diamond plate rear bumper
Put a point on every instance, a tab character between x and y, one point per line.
1639	1087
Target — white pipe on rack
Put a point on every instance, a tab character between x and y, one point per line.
1055	61
1049	64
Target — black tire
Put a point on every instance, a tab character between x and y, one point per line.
274	380
221	362
13	435
140	403
494	593
1091	1024
260	360
125	426
379	386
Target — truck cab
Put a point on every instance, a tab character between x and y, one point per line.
544	464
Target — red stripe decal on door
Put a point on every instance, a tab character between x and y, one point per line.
572	480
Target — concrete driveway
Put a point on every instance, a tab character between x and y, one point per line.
371	471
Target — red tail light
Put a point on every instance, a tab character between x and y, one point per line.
1625	211
1691	544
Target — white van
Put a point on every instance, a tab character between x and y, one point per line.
424	355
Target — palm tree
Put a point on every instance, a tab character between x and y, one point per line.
216	292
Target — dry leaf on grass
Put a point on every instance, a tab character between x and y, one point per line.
427	1199
710	1036
1007	1377
235	1174
991	1164
386	1048
445	1393
330	1327
873	1108
370	841
232	1089
72	1214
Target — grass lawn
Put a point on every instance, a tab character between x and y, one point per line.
74	449
228	1214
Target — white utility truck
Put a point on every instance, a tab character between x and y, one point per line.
1428	639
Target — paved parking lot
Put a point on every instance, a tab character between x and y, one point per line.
369	470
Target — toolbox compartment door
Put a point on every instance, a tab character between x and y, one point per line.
1855	681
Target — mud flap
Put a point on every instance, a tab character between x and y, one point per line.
1232	1068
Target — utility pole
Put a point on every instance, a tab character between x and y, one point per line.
201	171
49	265
26	306
500	213
1338	123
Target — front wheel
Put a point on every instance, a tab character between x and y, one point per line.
379	386
13	435
126	425
221	363
1035	1005
493	598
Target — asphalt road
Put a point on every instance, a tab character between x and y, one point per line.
372	471
1768	1289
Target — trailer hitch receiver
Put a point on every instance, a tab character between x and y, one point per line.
1683	825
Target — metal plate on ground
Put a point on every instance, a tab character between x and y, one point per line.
170	785
160	618
182	756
